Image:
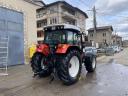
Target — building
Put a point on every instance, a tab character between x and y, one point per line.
117	40
18	21
57	13
125	43
37	2
102	37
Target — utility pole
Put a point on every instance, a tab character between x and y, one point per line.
94	25
94	19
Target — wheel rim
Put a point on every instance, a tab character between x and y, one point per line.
93	63
74	66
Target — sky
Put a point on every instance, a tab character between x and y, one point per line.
108	12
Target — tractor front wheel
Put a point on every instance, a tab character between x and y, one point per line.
90	64
69	67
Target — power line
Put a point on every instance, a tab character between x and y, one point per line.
113	22
84	3
109	14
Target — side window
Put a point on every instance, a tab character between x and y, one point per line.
76	38
70	37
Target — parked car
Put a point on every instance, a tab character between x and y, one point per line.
109	51
117	49
90	50
100	50
122	48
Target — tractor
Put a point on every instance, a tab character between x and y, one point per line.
62	53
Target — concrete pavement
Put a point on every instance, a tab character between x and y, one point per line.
110	79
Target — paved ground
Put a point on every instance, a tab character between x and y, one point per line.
110	79
119	58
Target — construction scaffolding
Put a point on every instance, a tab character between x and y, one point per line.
4	41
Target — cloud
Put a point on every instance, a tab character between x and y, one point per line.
123	28
115	13
112	6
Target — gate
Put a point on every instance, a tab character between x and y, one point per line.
11	24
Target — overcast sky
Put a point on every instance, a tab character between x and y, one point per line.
109	12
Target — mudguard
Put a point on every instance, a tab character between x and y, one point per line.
43	48
62	48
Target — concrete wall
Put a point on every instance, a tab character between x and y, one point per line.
29	12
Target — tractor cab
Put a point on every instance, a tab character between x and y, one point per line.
60	37
61	34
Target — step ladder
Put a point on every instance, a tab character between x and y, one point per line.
4	42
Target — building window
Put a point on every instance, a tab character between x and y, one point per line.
41	23
39	34
91	35
38	24
41	13
104	40
53	20
53	10
104	34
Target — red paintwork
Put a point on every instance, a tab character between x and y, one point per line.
62	48
43	48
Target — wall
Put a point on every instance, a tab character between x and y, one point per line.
81	21
29	12
98	37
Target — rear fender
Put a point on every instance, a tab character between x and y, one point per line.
43	48
65	48
62	48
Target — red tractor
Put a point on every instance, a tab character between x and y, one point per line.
62	54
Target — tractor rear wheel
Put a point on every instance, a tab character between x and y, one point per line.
38	66
69	67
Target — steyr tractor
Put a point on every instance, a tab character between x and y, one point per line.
62	54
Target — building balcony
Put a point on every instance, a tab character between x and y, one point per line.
40	29
68	15
40	38
41	17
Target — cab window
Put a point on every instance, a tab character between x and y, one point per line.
70	37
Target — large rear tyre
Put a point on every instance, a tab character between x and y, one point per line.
69	67
38	66
90	64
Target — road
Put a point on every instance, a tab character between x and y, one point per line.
110	79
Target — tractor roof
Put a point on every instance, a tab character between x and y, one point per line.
61	26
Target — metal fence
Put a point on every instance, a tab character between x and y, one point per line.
4	55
